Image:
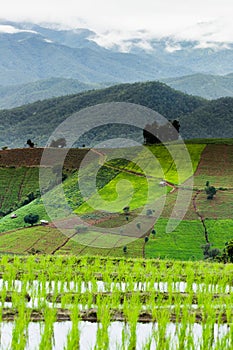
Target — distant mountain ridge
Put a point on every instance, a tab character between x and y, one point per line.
30	52
18	95
206	86
203	85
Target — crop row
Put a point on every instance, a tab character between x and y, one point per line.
160	293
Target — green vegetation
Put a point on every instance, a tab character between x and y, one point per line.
37	121
184	243
31	219
102	290
204	85
16	185
121	184
213	120
18	95
219	232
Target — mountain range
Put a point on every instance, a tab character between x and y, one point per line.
18	95
203	85
30	52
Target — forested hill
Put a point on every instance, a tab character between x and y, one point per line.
38	120
213	120
204	85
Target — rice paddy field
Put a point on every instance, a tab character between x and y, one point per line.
85	303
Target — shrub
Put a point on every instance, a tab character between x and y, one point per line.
31	219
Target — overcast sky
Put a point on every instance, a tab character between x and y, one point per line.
191	19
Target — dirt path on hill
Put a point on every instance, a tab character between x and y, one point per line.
202	219
132	172
22	183
63	244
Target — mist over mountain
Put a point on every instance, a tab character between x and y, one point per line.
30	52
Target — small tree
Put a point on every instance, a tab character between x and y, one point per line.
149	212
153	232
125	249
31	219
208	252
229	250
61	142
30	143
210	190
126	209
146	239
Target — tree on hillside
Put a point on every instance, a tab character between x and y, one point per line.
31	219
126	209
210	190
61	142
30	143
156	133
210	253
229	250
125	249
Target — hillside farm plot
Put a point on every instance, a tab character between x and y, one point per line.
22	241
219	232
216	166
220	207
31	157
15	185
49	240
184	243
167	165
134	248
119	183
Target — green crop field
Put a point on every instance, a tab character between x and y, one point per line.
219	232
184	243
15	185
119	183
126	303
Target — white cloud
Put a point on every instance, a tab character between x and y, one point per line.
187	19
12	30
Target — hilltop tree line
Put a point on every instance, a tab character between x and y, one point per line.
157	133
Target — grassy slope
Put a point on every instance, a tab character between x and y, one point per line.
184	243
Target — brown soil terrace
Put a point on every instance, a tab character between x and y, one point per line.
9	314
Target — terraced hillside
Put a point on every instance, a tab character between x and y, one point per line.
206	221
19	174
199	226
